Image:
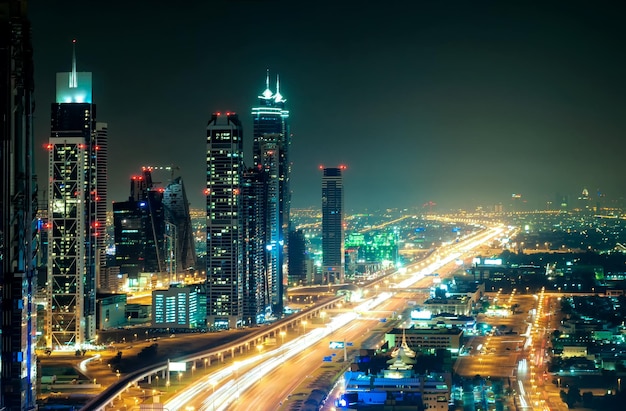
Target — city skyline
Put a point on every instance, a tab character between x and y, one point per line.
461	104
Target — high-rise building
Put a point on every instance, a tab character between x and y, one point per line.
271	154
72	212
256	304
224	207
18	201
140	230
101	152
333	258
177	217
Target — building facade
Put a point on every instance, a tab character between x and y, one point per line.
224	208
18	201
139	223
271	154
333	254
176	307
72	213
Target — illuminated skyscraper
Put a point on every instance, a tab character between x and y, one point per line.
271	154
333	258
224	208
18	200
177	214
72	212
256	304
101	153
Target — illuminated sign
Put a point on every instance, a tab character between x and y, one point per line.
335	345
421	315
493	261
178	366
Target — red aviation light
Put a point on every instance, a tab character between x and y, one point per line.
321	166
343	167
49	146
81	146
97	148
207	191
236	191
161	190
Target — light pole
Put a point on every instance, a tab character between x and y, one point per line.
205	361
304	327
260	348
323	315
282	337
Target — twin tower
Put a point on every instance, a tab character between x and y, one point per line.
248	214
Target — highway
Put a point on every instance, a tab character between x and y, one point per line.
224	390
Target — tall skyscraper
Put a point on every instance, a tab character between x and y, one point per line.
333	258
256	304
18	201
271	154
224	207
72	212
101	152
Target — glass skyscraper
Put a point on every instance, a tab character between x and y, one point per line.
18	201
271	154
224	207
333	258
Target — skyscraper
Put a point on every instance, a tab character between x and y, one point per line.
256	304
140	229
333	258
102	156
72	212
224	208
18	200
271	154
177	214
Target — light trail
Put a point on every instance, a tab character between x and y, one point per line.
239	379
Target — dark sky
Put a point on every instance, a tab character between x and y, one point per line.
457	102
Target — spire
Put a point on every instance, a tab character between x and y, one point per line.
278	98
267	94
73	80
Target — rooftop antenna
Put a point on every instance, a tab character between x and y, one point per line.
267	79
73	80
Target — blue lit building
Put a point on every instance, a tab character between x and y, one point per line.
176	307
271	154
18	195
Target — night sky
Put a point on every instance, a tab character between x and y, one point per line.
458	102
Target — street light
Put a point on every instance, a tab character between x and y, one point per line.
260	348
205	361
282	337
193	368
323	315
304	327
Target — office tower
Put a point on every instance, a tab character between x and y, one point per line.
101	153
271	154
256	304
177	216
139	225
18	201
224	221
332	225
297	258
72	212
